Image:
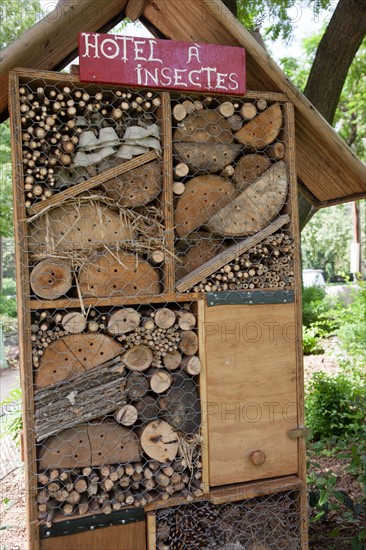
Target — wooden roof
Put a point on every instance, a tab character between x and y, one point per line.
328	171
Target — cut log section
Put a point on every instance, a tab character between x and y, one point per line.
126	415
137	385
164	318
172	360
123	321
203	197
72	227
74	354
263	129
51	279
192	365
159	441
74	322
249	168
255	207
136	188
160	381
138	358
129	275
186	320
202	127
90	445
188	343
206	157
276	151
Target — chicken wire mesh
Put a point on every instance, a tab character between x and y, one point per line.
133	197
263	523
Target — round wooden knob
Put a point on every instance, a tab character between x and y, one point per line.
258	458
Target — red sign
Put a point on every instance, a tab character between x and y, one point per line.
151	63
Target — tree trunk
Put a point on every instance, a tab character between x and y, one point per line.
333	59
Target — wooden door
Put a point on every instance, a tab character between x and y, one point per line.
251	391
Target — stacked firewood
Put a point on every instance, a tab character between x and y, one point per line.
53	121
109	488
270	264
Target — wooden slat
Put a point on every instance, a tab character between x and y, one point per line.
325	164
289	116
72	303
255	489
203	395
229	254
169	267
52	40
24	318
151	530
135	8
92	182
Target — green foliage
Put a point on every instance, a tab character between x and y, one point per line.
6	200
12	407
8	306
251	14
335	406
9	324
313	300
352	323
16	17
310	341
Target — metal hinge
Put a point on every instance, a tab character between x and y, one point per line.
299	432
237	297
89	523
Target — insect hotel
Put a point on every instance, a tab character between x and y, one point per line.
159	274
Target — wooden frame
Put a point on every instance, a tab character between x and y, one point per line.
27	305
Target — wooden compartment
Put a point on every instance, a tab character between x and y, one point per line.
122	242
257	517
254	348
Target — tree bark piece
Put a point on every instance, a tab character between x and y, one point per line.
83	397
160	381
263	129
159	441
164	318
51	279
255	207
138	358
188	343
73	355
136	188
203	197
123	321
129	275
90	444
74	322
126	415
249	168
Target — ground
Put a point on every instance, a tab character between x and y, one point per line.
12	514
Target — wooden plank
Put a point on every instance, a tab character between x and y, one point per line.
24	319
135	8
254	489
75	190
151	530
46	45
290	145
131	536
169	265
251	391
203	395
229	254
325	164
69	303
